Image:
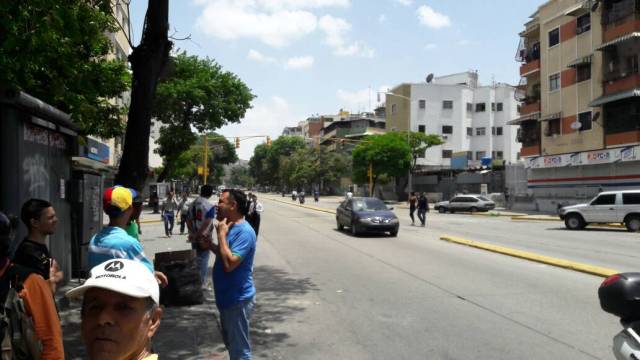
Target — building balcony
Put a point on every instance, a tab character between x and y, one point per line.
623	138
620	18
531	150
530	67
530	106
618	82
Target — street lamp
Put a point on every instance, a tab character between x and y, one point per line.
408	127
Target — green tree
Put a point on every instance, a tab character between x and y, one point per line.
280	149
196	94
257	164
57	51
314	167
419	143
221	152
389	155
239	176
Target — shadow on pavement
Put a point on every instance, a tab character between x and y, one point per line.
276	304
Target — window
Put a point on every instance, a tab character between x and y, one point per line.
631	198
469	107
447	129
632	63
446	154
554	37
554	82
394	108
553	127
447	104
518	155
583	72
480	107
422	104
499	131
480	155
421	128
469	155
497	155
583	24
608	199
585	121
499	107
481	131
493	130
493	106
469	131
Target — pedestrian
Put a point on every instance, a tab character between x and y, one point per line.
133	229
233	272
184	211
35	312
423	208
40	218
112	241
412	206
316	197
120	311
255	211
200	225
169	208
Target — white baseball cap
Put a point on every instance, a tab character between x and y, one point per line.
123	276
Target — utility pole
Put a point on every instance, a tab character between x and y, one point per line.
370	173
206	157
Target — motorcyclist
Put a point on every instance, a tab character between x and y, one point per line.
619	296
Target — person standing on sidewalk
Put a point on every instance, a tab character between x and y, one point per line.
233	272
169	208
412	206
120	311
200	224
40	219
255	211
184	211
423	209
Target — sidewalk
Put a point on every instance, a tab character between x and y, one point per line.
189	332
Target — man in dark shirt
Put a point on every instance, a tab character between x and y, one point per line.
40	219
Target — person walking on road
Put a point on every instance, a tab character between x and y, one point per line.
255	211
412	206
200	224
233	272
169	208
184	211
120	311
423	209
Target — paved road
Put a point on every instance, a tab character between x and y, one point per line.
324	294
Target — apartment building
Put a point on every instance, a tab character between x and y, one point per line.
580	88
472	119
343	134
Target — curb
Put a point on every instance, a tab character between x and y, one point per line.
557	262
150	221
303	206
527	218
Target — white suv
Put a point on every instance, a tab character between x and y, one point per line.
607	207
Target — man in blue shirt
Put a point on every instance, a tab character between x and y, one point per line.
113	242
233	272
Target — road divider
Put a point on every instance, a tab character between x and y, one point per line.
329	211
562	263
557	219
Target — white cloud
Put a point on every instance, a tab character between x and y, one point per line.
259	57
430	18
430	46
382	18
336	30
361	100
266	118
405	2
300	62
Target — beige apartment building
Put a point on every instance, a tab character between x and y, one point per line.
580	106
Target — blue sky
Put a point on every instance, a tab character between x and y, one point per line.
305	57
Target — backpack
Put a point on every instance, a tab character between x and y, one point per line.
19	340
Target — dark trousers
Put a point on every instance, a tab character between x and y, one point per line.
422	215
255	223
168	222
183	223
411	211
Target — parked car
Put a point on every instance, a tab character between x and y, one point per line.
363	214
471	203
607	207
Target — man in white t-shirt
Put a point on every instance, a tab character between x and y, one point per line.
200	224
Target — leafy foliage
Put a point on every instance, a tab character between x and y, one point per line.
389	155
419	143
239	177
265	164
313	166
57	51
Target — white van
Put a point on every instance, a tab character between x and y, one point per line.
607	207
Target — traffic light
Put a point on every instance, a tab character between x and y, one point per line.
268	140
237	143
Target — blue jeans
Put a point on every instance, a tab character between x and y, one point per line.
235	329
168	222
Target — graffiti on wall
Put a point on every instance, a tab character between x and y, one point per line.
36	176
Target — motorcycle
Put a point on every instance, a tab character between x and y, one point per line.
316	197
620	295
301	196
294	196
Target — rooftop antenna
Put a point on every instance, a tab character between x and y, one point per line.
429	78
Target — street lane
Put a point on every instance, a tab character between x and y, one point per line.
414	297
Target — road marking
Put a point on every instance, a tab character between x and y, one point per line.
541	218
303	206
562	263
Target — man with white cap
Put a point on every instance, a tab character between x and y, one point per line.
120	311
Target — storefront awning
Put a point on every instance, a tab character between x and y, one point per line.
553	116
521	119
615	97
623	38
580	61
579	9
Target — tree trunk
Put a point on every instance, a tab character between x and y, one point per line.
147	60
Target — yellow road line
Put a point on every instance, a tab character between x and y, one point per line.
562	263
303	206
